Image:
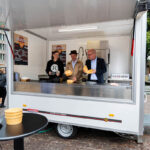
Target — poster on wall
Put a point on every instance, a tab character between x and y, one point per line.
61	48
20	49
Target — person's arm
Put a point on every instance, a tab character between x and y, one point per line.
61	69
102	69
67	66
86	63
89	67
2	80
48	71
80	71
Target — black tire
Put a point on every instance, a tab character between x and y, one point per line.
66	131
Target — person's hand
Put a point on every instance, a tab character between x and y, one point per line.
74	79
85	69
58	74
94	71
50	73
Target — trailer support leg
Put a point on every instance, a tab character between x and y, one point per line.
140	139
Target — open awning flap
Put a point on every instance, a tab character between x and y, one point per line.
29	14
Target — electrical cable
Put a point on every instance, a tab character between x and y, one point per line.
81	49
46	130
9	45
132	48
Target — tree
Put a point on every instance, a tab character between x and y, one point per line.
148	36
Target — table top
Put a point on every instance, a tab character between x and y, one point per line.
31	124
108	90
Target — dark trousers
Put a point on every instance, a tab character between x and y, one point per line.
3	94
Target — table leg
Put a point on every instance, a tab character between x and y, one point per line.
19	144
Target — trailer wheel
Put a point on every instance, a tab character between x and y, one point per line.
66	131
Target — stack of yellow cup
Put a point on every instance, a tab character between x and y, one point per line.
13	116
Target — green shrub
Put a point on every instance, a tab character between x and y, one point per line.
148	36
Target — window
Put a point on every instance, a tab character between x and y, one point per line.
114	48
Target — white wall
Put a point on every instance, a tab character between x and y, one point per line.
119	51
36	57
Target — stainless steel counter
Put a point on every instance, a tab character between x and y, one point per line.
116	91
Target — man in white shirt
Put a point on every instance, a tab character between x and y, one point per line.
97	64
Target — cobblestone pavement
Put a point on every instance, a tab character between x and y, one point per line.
86	139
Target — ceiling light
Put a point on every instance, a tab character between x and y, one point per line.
77	29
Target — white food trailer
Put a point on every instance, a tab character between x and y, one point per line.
114	106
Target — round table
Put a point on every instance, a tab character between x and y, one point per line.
31	124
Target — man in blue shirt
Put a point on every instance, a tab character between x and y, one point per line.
2	87
97	64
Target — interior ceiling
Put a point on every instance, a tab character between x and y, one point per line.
30	14
104	29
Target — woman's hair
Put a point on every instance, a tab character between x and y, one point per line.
54	52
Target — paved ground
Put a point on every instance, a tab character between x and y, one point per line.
86	139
